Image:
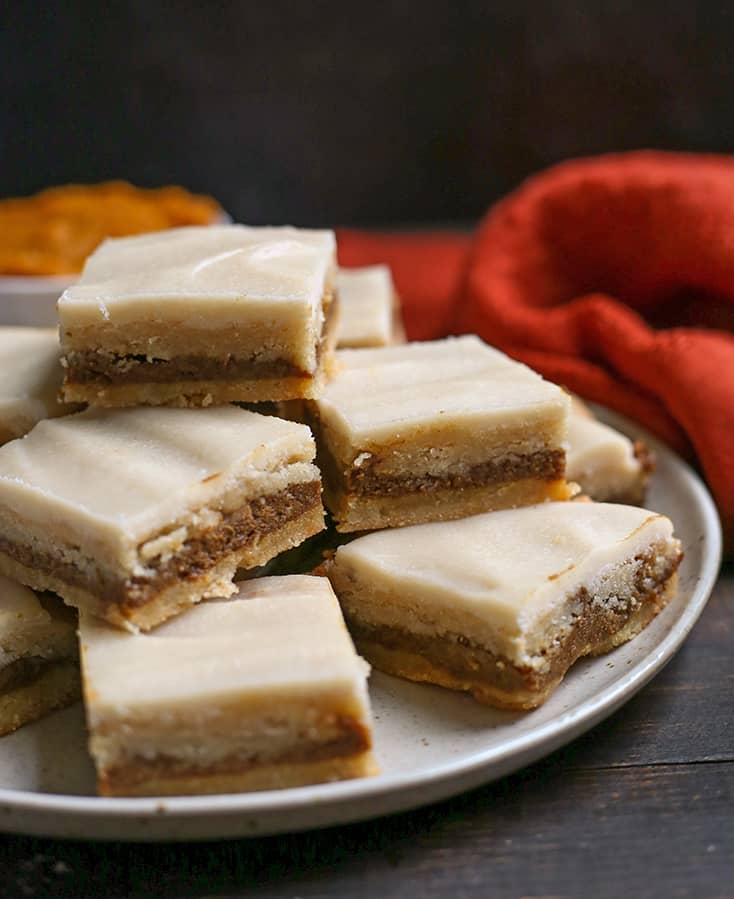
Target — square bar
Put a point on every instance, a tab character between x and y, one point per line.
607	465
39	664
502	604
201	315
30	379
260	692
369	308
134	514
436	431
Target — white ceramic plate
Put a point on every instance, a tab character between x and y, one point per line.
431	743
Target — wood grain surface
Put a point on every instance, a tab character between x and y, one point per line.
642	806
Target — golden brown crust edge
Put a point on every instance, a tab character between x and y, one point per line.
263	777
54	688
180	594
196	393
404	661
357	513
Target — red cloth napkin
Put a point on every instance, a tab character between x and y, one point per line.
613	276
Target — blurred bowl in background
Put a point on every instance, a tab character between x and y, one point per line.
31	299
56	229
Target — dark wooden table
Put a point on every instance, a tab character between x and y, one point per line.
641	806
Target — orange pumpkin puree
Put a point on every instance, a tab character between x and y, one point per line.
53	232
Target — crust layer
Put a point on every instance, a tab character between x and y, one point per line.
494	680
362	497
54	687
100	366
362	513
133	609
274	776
186	394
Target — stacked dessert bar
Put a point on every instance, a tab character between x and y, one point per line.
135	515
479	575
31	380
200	316
153	510
369	308
436	430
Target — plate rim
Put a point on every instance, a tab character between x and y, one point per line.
442	779
10	284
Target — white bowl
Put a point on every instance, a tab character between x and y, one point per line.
31	299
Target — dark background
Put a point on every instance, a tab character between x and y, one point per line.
322	112
327	112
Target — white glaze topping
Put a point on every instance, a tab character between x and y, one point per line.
385	393
218	270
279	637
366	302
501	576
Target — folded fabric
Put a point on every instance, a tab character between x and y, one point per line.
613	276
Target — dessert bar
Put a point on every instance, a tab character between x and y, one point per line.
369	309
262	691
436	431
607	466
502	604
30	378
201	315
39	664
134	514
